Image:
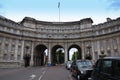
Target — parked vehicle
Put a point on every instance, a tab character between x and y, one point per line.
68	64
82	69
107	68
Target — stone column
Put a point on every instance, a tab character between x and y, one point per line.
49	54
83	50
93	54
112	47
32	52
22	53
2	49
16	50
66	53
119	46
98	47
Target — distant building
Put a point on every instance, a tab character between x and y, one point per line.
31	37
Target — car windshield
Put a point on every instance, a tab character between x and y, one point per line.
84	64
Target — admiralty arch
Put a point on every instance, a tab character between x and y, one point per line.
31	37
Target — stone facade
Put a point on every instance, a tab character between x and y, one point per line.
32	37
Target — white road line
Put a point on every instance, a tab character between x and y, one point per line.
42	75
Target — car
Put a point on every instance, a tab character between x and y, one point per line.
82	69
68	64
107	68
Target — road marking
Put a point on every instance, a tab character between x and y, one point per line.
43	73
32	77
40	77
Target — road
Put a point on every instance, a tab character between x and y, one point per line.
36	73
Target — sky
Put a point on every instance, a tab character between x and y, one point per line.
70	10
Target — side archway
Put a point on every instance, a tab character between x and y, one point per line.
79	51
39	56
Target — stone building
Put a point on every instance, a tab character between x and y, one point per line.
32	37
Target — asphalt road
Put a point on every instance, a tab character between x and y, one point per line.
36	73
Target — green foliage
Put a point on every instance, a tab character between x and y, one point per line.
59	57
76	55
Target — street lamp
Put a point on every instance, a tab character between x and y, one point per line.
88	55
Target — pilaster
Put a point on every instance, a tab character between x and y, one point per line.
83	50
49	54
66	53
32	52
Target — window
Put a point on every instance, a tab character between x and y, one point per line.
108	43
12	57
1	28
107	66
4	56
95	45
112	29
6	48
0	39
6	40
106	30
19	49
101	44
18	57
115	42
14	31
100	32
13	48
20	41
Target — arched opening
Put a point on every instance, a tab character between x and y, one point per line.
40	55
57	55
75	52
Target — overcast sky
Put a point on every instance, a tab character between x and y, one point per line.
71	10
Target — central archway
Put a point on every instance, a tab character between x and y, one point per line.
39	56
57	56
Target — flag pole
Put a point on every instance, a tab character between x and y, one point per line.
59	10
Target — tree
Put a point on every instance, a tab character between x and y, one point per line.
59	57
76	55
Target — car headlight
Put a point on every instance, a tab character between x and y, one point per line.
83	72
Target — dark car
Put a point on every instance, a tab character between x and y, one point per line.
82	69
107	68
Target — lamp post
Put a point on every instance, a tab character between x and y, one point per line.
88	55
